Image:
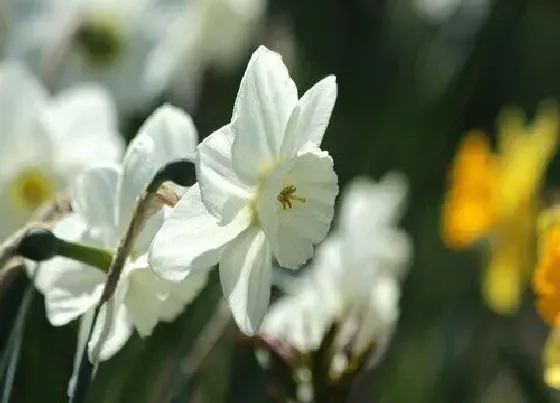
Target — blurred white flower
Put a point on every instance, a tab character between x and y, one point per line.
265	190
354	279
47	141
206	33
105	41
103	200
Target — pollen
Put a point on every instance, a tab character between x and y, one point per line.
30	189
287	196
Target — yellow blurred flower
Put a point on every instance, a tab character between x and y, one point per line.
492	195
551	359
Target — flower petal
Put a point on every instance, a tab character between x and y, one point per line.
83	334
382	203
150	299
551	358
167	134
95	194
72	289
264	103
138	170
111	331
306	223
83	122
310	117
173	132
191	239
224	192
25	138
246	275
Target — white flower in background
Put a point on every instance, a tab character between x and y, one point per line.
354	279
105	41
206	33
103	200
46	141
265	190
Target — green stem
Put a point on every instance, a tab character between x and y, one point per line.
91	255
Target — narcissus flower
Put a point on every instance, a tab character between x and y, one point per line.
103	200
354	281
105	41
493	196
266	190
47	141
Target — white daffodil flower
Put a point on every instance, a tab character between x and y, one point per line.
355	277
193	43
265	190
105	41
46	141
103	200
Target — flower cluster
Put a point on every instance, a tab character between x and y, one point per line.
494	197
261	195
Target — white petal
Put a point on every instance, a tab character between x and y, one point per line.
246	275
173	132
150	299
381	202
310	117
306	224
182	294
83	121
381	315
191	239
95	194
300	320
72	289
266	98
112	330
24	137
167	134
138	171
83	334
223	191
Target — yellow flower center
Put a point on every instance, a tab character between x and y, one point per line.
101	39
31	188
287	196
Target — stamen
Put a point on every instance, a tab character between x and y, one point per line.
287	196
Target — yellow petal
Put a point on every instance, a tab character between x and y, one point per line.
524	155
502	284
468	209
551	359
510	263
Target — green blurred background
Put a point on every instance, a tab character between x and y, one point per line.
413	77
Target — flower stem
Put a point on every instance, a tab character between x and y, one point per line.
90	255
